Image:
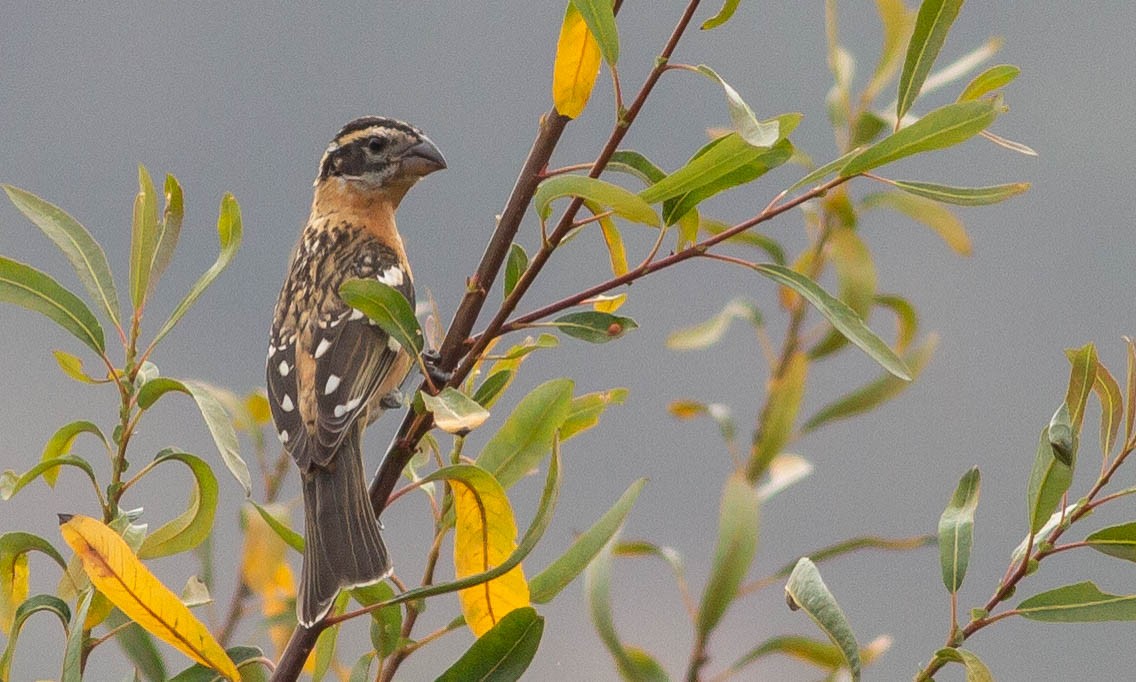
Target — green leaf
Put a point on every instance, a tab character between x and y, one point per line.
723	15
931	27
593	326
190	528
830	168
386	307
229	235
976	670
386	622
806	590
361	671
600	18
896	20
553	579
733	554
1118	541
144	238
1082	377
59	445
139	647
14	549
907	320
956	530
502	654
326	642
856	280
85	254
706	334
823	655
515	266
1048	481
928	212
169	230
622	202
1112	407
289	536
454	411
245	658
749	238
874	394
839	315
778	417
963	196
73	649
216	418
11	483
988	81
39	602
584	411
756	133
29	288
526	436
72	366
1078	603
944	127
634	163
490	389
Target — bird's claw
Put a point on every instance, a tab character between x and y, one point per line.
393	400
438	376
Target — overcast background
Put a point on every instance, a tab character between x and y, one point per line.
244	100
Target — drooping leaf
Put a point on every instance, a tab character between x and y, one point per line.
503	653
216	418
839	315
85	254
454	411
1078	603
708	333
745	123
549	582
988	81
600	18
29	288
144	238
931	27
12	483
1048	481
928	212
733	553
963	196
622	202
723	15
14	549
169	230
59	445
117	573
190	528
976	670
72	366
526	436
577	64
35	604
515	265
779	416
906	319
584	411
956	530
229	233
944	127
807	591
386	307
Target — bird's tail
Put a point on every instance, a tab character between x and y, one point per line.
343	547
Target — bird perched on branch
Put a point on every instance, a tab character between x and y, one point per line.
330	370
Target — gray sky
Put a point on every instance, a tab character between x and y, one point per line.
244	100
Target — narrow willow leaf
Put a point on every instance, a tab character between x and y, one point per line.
779	416
988	81
710	332
229	233
613	240
956	530
73	649
840	316
897	21
606	304
928	212
1130	390
1118	541
822	172
577	64
14	549
386	307
216	419
553	579
128	584
35	604
72	366
1112	408
1082	376
59	445
976	670
757	133
593	326
823	655
1009	144
944	127
454	411
1048	481
170	230
963	196
515	265
289	536
85	254
632	162
526	437
962	66
906	319
600	18
807	591
712	166
931	27
503	653
584	411
766	243
144	238
1078	603
623	202
723	15
140	648
324	654
856	280
12	483
29	288
733	553
190	528
876	393
492	388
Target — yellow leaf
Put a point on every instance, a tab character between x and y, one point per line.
577	65
263	551
607	304
129	585
15	585
485	534
257	405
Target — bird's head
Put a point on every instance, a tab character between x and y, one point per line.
380	154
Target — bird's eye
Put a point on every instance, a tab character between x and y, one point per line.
376	144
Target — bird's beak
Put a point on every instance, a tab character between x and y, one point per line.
422	159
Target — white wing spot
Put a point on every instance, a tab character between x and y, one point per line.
284	368
271	350
286	403
283	435
324	344
341	410
332	384
356	314
394	345
392	276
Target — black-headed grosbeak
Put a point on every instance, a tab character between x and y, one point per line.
329	369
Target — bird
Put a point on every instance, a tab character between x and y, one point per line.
330	370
